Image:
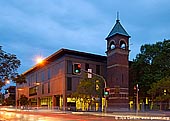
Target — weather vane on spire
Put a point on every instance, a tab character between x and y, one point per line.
117	16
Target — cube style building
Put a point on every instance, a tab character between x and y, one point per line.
50	84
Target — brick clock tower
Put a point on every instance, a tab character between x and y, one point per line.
118	68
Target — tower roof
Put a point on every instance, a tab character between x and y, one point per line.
117	29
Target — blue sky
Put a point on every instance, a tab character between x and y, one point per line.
41	27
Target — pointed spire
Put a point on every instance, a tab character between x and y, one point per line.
117	17
117	29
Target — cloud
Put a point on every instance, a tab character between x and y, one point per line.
32	27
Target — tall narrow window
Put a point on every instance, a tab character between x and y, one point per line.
112	45
122	45
36	77
69	83
98	69
42	88
69	67
122	79
42	76
49	73
29	81
48	87
86	66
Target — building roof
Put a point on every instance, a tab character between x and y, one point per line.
63	52
117	29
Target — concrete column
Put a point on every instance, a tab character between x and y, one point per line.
53	101
64	102
38	102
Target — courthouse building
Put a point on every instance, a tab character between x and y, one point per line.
50	84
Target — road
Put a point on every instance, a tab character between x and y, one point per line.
42	116
32	115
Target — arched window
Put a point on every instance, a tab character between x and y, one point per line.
122	45
112	45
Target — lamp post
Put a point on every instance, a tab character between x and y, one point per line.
137	99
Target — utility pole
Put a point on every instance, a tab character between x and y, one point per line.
137	99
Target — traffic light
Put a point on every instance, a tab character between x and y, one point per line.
76	68
134	90
106	91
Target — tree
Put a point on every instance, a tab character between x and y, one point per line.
151	65
89	89
8	66
160	91
20	79
23	100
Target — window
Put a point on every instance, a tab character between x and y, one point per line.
36	77
98	69
42	76
42	88
122	45
32	91
122	79
48	87
69	83
86	66
49	73
69	67
112	45
32	79
29	81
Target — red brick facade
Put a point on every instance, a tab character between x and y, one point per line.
118	71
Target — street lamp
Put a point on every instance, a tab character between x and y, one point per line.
7	81
39	59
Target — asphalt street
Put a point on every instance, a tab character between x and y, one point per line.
47	115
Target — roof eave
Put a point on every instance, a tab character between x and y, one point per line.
116	34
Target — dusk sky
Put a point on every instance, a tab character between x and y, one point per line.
29	28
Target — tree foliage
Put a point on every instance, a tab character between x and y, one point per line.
20	79
23	100
151	65
160	91
8	66
89	88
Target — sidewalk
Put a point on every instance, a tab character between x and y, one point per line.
157	115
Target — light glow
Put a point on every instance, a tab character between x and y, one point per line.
39	59
7	81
